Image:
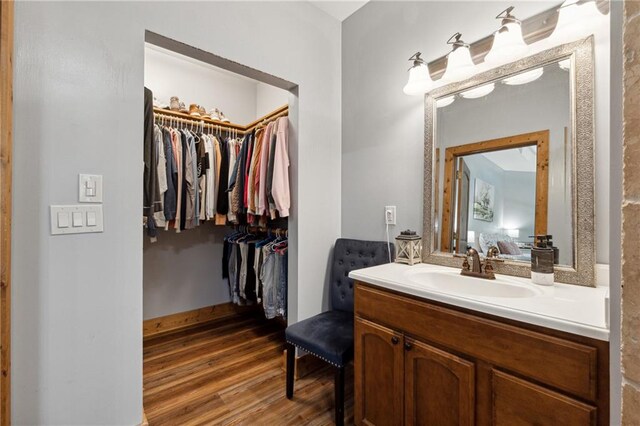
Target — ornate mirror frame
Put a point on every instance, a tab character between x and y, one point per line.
582	143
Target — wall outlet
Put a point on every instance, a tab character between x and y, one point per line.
390	215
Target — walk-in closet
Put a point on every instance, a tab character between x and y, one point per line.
217	202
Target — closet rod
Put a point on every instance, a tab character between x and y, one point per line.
279	232
268	120
186	118
195	123
278	112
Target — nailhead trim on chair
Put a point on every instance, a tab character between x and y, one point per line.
316	355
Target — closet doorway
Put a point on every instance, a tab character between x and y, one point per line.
219	225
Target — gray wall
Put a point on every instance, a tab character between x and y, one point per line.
482	168
615	226
520	190
77	300
383	129
184	271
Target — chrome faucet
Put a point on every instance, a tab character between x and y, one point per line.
477	268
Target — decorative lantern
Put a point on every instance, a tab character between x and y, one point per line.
408	248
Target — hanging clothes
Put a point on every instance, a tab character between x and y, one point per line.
172	177
151	194
280	183
223	196
256	269
161	172
192	176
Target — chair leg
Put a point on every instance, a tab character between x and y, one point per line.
291	357
339	390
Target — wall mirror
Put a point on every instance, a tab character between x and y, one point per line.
509	155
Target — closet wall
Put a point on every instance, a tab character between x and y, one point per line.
183	271
79	73
169	74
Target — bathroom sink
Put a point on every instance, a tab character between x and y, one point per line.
454	283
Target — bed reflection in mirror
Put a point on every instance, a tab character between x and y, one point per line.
503	165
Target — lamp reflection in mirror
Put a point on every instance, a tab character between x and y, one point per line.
471	238
459	62
576	19
419	78
513	233
508	44
478	92
565	64
443	102
524	78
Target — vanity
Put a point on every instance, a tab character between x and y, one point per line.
509	159
430	352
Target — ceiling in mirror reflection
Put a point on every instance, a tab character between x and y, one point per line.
514	160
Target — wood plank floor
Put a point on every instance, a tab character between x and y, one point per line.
230	373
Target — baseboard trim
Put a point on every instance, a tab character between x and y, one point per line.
145	422
182	320
304	365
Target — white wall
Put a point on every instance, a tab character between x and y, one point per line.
269	98
78	98
170	74
383	129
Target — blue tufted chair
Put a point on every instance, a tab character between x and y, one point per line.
329	335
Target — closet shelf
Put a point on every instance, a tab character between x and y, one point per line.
279	112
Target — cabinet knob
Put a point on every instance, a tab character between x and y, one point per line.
395	340
408	346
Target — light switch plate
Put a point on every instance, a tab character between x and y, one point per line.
89	188
76	219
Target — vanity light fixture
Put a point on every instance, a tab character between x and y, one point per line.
443	102
419	78
459	62
508	43
478	92
524	78
576	19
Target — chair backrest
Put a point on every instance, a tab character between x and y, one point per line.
349	255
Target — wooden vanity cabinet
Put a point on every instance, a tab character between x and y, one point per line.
418	362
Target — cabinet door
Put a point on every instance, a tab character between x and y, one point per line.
378	374
518	402
439	387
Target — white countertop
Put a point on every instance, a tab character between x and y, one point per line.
570	308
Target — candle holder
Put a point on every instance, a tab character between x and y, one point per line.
408	248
